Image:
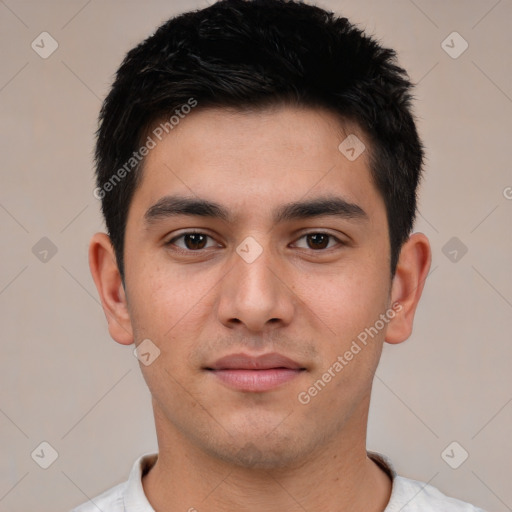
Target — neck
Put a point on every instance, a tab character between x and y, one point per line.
338	477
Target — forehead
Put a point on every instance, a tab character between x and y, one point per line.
250	160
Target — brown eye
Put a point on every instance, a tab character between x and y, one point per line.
191	241
318	240
195	241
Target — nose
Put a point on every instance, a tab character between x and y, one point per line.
255	294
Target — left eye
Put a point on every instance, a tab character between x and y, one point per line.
192	241
318	241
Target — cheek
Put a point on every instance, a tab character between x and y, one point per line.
348	305
154	291
169	305
347	300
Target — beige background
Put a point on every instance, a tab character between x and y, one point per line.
64	381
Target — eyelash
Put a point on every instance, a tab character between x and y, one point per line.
181	249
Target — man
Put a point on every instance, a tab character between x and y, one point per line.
257	163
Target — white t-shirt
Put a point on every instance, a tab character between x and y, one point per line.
406	495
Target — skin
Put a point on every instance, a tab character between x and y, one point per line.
222	449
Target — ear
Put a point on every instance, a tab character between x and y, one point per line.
410	275
104	270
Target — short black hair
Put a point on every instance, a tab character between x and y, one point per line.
253	54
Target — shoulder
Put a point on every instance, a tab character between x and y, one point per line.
111	500
125	496
413	496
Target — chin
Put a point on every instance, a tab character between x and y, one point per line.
256	456
262	451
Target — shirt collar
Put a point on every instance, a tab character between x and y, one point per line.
134	499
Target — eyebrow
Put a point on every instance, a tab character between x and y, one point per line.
171	206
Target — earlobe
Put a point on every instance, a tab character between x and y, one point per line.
410	275
105	272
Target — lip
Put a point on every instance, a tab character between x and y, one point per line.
256	374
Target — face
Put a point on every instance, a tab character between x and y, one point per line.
290	262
